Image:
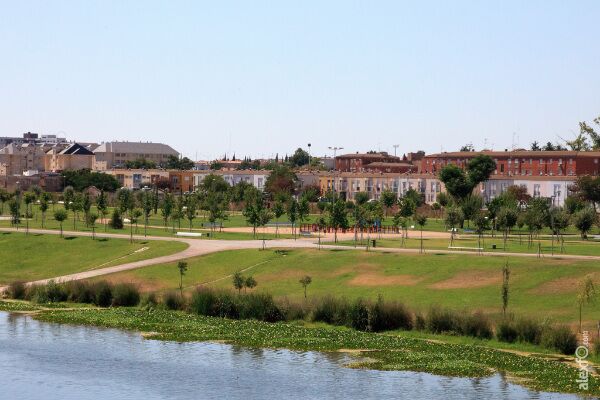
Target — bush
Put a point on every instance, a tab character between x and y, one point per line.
476	325
440	320
173	301
359	315
79	292
292	311
420	323
102	294
388	316
204	302
225	306
331	310
528	330
37	294
149	301
560	338
17	290
125	295
259	306
506	332
116	222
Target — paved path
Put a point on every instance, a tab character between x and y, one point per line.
197	247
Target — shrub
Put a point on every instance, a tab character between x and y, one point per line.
292	311
359	315
79	292
528	330
420	323
173	301
560	338
116	222
388	316
149	301
55	292
259	306
102	294
204	302
477	325
17	290
226	306
125	295
440	320
331	310
37	294
506	332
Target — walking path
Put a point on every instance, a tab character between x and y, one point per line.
197	247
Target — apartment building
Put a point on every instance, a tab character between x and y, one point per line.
15	159
115	154
138	178
257	178
555	188
75	156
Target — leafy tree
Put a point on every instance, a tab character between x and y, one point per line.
44	198
292	213
454	218
76	207
182	267
254	213
278	211
299	158
505	287
588	189
281	180
166	208
361	198
559	222
86	206
91	222
481	224
461	183
388	199
250	283
84	178
588	130
28	199
303	210
415	196
4	197
102	206
238	281
470	206
574	204
305	281
134	216
338	219
507	219
60	215
191	203
140	163
14	205
584	220
535	146
147	206
116	221
174	162
68	197
421	220
586	294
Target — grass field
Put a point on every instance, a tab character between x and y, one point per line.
539	287
34	256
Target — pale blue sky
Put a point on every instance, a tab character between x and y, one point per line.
256	78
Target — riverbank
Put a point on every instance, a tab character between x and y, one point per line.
375	351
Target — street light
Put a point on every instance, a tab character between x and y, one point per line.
335	149
309	156
395	147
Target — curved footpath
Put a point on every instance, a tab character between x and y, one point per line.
197	247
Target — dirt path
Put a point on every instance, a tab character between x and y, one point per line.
197	247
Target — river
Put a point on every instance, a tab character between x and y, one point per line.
49	361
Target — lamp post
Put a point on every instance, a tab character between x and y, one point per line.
309	156
335	149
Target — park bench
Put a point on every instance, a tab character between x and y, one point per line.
188	234
305	233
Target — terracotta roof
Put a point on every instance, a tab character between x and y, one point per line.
516	153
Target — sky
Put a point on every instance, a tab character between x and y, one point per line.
255	78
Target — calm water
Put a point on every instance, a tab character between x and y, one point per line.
49	361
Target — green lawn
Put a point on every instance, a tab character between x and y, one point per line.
34	256
515	244
539	287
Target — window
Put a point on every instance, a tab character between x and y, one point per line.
536	190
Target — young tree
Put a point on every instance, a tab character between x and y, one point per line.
28	199
454	218
303	210
388	200
250	283
338	219
166	208
559	222
182	266
254	212
470	205
421	220
481	224
60	215
584	220
4	197
407	208
507	219
44	198
305	281
278	211
86	206
14	206
91	222
505	287
134	216
68	197
292	213
586	294
76	207
191	204
147	206
238	281
102	206
116	221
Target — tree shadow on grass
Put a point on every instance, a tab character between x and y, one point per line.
103	239
70	237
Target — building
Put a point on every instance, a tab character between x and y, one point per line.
73	157
139	178
358	162
256	178
17	158
115	154
555	188
522	162
31	138
48	182
181	181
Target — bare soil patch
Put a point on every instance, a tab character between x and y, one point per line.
469	279
375	279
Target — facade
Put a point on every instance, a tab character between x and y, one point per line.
555	188
181	181
358	162
138	178
32	138
49	182
115	154
522	162
253	177
73	157
16	159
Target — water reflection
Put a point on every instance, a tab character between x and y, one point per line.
72	362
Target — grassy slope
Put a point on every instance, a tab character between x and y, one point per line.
539	287
34	256
385	351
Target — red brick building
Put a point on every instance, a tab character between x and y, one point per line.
373	162
522	162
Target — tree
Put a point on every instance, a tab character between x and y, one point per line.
182	266
44	198
28	199
60	215
238	281
559	222
278	211
4	197
338	219
253	213
147	207
588	189
584	220
191	203
173	162
76	207
454	218
361	198
586	294
166	208
102	206
505	287
250	283
84	178
292	213
305	281
481	224
507	219
588	130
68	197
461	183
299	158
116	221
281	180
421	220
535	146
303	210
86	206
91	222
134	216
470	206
388	199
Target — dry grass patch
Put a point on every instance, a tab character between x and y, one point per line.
375	279
469	280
